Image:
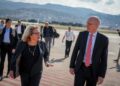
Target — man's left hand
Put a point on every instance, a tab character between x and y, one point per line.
13	50
48	64
100	80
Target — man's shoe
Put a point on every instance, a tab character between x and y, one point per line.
1	78
116	60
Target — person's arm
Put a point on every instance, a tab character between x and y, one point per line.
63	37
18	50
103	63
75	51
15	37
22	28
46	56
46	53
51	31
14	58
74	55
44	32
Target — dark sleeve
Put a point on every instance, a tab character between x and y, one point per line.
119	33
24	27
1	36
51	31
75	52
16	55
15	40
0	41
46	53
104	56
44	32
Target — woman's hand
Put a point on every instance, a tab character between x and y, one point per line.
72	71
11	74
48	64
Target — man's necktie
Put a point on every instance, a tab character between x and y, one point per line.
88	52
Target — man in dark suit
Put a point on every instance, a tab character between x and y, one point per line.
89	57
8	41
20	28
48	35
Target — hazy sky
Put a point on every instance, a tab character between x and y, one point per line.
106	6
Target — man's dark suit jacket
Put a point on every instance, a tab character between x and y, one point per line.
49	29
13	37
99	56
23	27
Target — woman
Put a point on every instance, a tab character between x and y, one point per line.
28	57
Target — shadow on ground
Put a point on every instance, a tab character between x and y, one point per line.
57	60
117	67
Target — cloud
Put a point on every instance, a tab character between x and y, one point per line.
105	6
109	2
93	1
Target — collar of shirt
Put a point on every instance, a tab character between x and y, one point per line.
7	29
94	34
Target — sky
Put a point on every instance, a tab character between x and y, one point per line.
105	6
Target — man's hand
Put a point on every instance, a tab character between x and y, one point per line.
72	71
11	74
48	64
100	80
13	50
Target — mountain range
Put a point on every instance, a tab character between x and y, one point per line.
54	12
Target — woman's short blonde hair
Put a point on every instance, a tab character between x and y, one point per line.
27	33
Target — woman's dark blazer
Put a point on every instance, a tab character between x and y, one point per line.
37	67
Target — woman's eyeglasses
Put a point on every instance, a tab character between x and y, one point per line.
37	33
